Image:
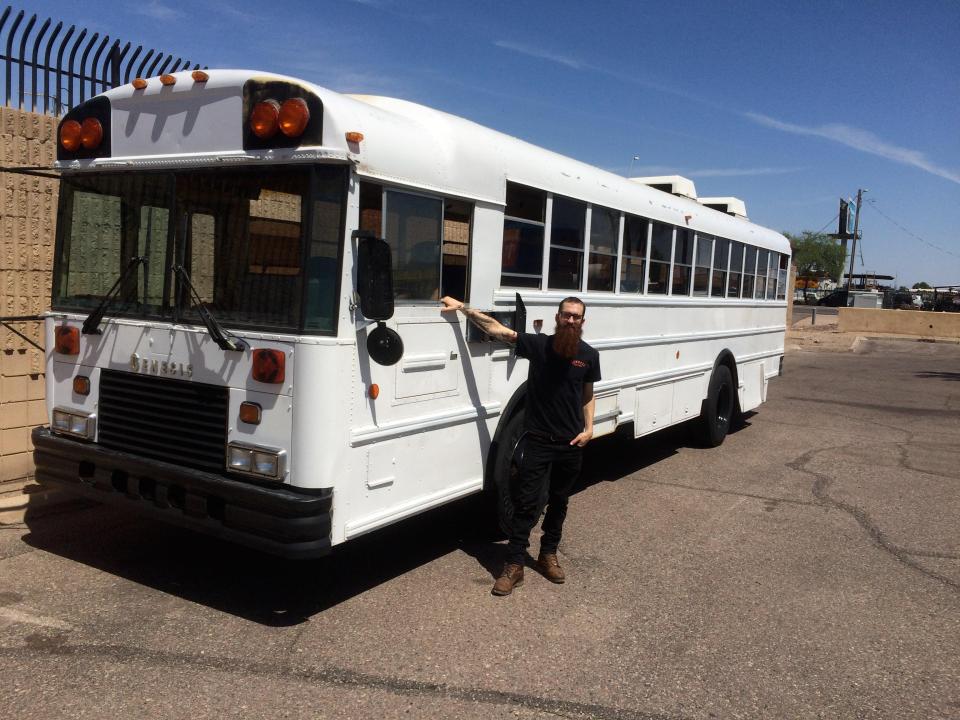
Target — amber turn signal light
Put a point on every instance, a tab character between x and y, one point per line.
81	385
250	413
354	137
269	366
71	135
374	391
265	119
66	340
294	116
91	133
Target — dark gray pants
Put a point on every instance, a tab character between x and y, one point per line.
546	474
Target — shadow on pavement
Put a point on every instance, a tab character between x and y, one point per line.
277	592
937	374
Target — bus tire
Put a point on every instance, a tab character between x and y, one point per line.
505	467
716	413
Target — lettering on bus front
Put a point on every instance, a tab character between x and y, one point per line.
155	366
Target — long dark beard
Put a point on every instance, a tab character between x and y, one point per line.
566	341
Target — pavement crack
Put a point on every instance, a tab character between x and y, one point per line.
822	483
928	553
339	677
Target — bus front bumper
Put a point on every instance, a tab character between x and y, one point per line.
278	519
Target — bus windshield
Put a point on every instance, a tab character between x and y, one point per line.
261	246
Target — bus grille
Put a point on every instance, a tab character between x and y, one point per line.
183	423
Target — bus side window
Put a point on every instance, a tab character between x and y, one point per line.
736	269
414	231
567	235
635	231
523	226
782	278
749	271
602	262
721	256
457	215
682	261
371	208
661	251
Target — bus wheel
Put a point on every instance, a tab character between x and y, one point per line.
717	411
505	468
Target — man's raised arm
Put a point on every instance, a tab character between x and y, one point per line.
486	323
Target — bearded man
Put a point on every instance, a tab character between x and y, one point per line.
558	423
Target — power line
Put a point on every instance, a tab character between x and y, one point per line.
828	223
873	203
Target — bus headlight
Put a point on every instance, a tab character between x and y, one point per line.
261	462
74	422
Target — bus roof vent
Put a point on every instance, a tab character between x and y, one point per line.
729	205
673	184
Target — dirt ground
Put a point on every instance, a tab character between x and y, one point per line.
826	337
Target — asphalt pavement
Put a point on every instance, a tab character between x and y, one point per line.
807	568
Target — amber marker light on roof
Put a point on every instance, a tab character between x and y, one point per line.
199	76
139	83
294	116
91	133
354	137
71	135
168	80
265	119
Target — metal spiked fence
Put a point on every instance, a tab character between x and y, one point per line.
51	70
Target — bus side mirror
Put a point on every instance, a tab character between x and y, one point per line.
375	291
374	276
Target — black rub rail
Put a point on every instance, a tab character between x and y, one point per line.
276	519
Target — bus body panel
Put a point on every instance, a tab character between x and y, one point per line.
378	443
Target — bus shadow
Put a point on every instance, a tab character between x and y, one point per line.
275	592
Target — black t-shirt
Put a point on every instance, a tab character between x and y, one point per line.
555	385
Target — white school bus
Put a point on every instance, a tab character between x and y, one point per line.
245	336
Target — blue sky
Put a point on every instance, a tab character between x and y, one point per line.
788	106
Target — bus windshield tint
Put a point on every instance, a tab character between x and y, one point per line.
241	235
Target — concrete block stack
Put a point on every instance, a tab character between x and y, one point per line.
28	207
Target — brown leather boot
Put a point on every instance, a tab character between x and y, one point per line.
549	567
510	578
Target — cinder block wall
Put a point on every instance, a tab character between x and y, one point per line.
28	207
899	322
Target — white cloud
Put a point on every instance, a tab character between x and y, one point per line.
158	11
227	9
655	170
539	53
741	172
859	139
650	170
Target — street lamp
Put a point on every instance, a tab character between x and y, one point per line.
632	161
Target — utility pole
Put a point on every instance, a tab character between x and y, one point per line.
856	229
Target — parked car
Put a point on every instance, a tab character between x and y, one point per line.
838	298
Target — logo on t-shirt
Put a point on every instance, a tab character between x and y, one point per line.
578	363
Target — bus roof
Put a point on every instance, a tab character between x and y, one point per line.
403	143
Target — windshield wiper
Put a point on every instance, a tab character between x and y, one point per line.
219	335
92	323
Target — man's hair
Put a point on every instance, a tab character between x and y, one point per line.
572	299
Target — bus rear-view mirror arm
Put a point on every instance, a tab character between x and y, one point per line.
375	295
